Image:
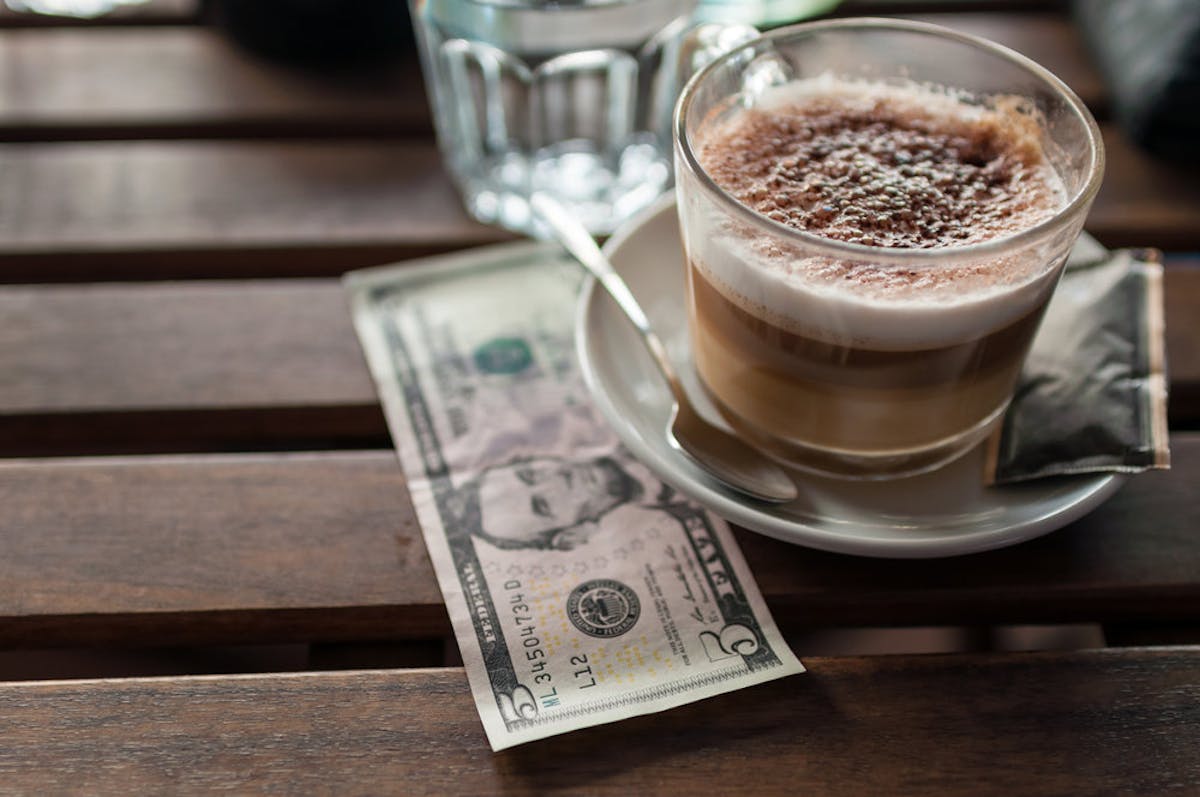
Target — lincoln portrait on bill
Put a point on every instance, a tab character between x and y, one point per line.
547	503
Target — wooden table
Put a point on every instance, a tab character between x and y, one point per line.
198	485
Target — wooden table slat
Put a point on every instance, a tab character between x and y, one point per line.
197	550
105	210
1092	722
162	367
153	210
282	548
92	83
178	346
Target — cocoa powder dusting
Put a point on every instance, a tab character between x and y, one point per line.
882	171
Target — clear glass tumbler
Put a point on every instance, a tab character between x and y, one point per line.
572	97
829	373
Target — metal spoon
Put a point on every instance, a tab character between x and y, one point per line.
728	458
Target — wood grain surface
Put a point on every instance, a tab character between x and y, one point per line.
152	210
203	550
145	147
122	209
257	365
190	82
93	83
1099	722
195	551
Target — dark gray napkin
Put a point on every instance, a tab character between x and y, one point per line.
1093	395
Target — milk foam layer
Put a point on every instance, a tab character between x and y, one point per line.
861	303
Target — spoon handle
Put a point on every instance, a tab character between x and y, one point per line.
579	242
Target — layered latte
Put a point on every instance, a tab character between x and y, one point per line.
837	351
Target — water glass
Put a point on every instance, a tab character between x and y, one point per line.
573	98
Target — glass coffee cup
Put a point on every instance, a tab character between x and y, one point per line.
875	214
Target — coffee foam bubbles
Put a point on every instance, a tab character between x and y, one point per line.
875	305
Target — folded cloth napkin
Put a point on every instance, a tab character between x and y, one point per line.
1149	53
1093	395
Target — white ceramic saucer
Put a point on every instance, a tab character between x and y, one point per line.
945	513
